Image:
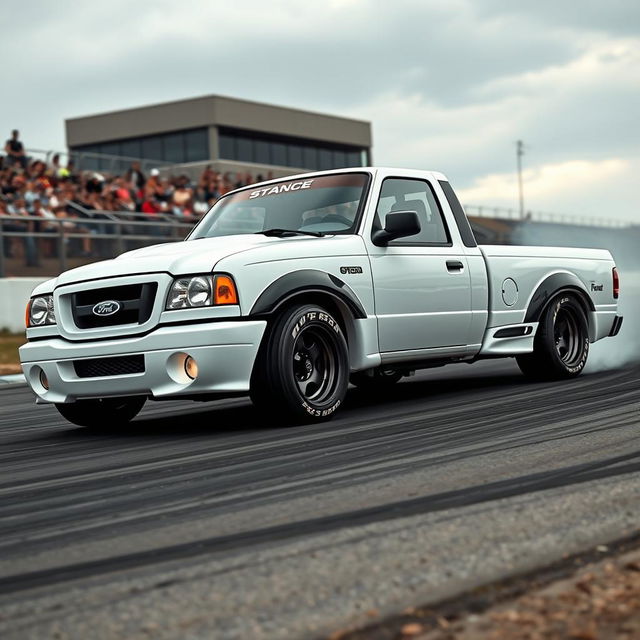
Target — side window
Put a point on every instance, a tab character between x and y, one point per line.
405	194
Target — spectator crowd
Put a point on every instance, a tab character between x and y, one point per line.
54	190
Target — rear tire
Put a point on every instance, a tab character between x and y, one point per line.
102	412
302	370
561	346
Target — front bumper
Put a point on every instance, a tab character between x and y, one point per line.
224	351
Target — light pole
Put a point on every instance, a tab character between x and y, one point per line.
519	154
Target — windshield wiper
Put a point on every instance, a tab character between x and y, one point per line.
279	233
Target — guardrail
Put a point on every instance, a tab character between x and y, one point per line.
503	213
61	239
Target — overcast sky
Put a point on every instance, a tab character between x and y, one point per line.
448	85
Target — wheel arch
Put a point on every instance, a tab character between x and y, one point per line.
310	286
306	282
553	286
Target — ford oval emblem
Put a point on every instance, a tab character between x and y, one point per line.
106	308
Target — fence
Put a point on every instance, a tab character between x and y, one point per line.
89	161
52	245
503	213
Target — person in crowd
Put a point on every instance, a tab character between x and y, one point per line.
70	226
42	211
12	245
151	206
95	183
182	196
46	246
123	194
55	165
135	177
19	208
153	187
68	172
15	150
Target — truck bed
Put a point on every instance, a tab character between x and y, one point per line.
518	271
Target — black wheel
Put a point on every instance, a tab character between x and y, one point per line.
375	379
103	412
302	368
561	346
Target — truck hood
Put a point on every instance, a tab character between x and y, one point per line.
178	258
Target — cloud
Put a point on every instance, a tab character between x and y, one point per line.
546	183
614	17
449	86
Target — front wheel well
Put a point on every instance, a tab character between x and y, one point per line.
336	307
332	304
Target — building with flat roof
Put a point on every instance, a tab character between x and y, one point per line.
227	133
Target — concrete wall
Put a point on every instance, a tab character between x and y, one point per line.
14	295
216	111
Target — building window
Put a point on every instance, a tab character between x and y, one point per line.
354	159
196	145
294	156
268	149
279	154
244	150
227	146
339	159
174	147
325	159
309	157
131	148
261	152
178	146
152	148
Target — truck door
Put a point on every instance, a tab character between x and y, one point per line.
422	284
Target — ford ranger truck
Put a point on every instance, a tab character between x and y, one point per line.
290	289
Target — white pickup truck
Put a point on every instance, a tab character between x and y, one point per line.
289	289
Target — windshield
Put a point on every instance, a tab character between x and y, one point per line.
318	205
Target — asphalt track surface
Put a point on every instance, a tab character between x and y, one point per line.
203	521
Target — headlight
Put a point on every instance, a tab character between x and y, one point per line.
40	311
201	291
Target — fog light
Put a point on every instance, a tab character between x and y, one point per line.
44	381
191	367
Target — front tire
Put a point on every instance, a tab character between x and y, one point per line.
561	346
302	369
102	412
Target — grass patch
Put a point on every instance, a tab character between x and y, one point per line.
9	360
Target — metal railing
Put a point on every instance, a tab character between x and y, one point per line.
504	213
89	161
125	215
64	240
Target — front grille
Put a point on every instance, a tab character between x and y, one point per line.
135	300
104	367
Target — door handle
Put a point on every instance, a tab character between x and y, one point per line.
454	266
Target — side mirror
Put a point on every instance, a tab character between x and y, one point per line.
397	224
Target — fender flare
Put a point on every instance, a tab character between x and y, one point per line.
306	281
552	286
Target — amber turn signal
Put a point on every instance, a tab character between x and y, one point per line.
224	291
27	315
